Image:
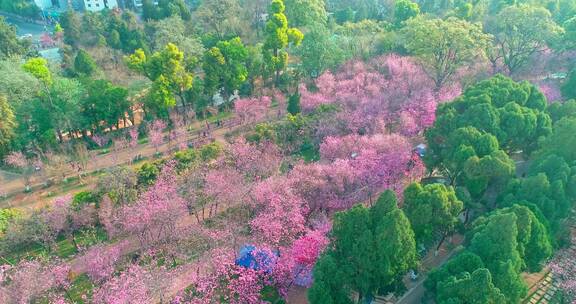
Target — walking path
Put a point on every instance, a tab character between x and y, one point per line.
112	159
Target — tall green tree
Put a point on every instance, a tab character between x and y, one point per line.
224	67
304	13
320	51
443	46
10	45
278	36
72	25
521	31
105	105
431	209
569	86
84	65
404	10
497	114
7	126
496	242
167	69
473	288
371	250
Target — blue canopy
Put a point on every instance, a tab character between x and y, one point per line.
256	259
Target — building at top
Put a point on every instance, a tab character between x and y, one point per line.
43	4
98	5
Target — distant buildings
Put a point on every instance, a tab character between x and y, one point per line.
87	5
98	5
140	3
43	4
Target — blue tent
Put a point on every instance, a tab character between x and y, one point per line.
256	259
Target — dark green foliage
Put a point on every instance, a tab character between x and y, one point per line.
562	140
9	44
104	105
20	7
431	209
569	86
495	242
559	110
165	9
84	65
465	262
511	111
371	250
404	10
72	25
473	288
147	174
225	67
83	198
294	104
329	283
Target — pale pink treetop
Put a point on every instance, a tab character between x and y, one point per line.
100	140
251	110
16	159
255	160
280	213
153	217
133	133
155	133
100	260
127	288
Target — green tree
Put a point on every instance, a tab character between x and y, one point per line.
320	51
562	139
472	288
105	105
7	126
404	10
278	36
72	25
169	65
294	104
465	262
495	241
224	67
38	67
496	114
84	65
174	30
431	209
569	86
329	283
15	83
521	31
371	251
220	18
304	13
10	45
443	46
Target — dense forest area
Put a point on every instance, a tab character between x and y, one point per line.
290	151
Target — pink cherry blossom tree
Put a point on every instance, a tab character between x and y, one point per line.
226	187
178	132
100	260
255	160
280	213
131	286
133	134
100	140
251	110
154	216
156	133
